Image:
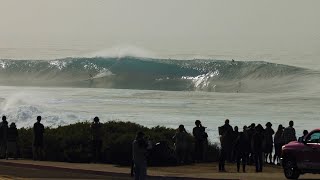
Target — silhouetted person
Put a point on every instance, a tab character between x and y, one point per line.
96	132
268	133
257	147
200	137
180	144
289	133
3	136
242	146
278	143
251	131
12	139
305	133
38	130
235	135
225	133
139	152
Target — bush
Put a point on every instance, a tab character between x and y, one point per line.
72	143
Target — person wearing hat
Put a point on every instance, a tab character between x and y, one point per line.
12	138
268	147
96	133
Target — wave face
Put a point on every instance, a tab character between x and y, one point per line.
154	74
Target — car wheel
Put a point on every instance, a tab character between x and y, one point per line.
290	169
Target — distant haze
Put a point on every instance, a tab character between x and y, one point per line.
286	31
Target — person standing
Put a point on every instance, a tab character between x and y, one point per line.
38	130
289	133
3	137
268	133
225	133
278	143
242	146
180	139
139	152
257	147
96	132
12	138
200	137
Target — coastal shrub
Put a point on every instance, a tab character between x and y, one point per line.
72	143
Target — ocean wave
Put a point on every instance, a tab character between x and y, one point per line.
154	74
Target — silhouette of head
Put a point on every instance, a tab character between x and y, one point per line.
226	121
268	124
140	135
198	122
291	123
38	118
305	132
236	129
245	128
13	125
253	125
181	128
4	118
259	128
96	119
280	127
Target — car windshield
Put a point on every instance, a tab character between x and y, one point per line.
314	138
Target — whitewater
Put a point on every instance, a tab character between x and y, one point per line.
159	91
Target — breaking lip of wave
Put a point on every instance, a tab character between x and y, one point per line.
156	74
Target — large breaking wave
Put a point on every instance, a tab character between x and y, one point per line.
156	74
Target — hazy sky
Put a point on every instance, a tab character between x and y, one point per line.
208	27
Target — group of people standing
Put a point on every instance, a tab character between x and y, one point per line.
254	144
9	139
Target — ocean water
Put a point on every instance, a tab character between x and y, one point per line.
157	91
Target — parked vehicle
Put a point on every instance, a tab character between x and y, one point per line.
299	157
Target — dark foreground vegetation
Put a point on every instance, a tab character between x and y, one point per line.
72	143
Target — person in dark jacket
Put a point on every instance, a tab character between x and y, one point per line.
200	137
305	133
268	133
96	132
235	135
250	132
225	133
139	153
242	146
3	137
257	147
278	143
12	141
38	130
